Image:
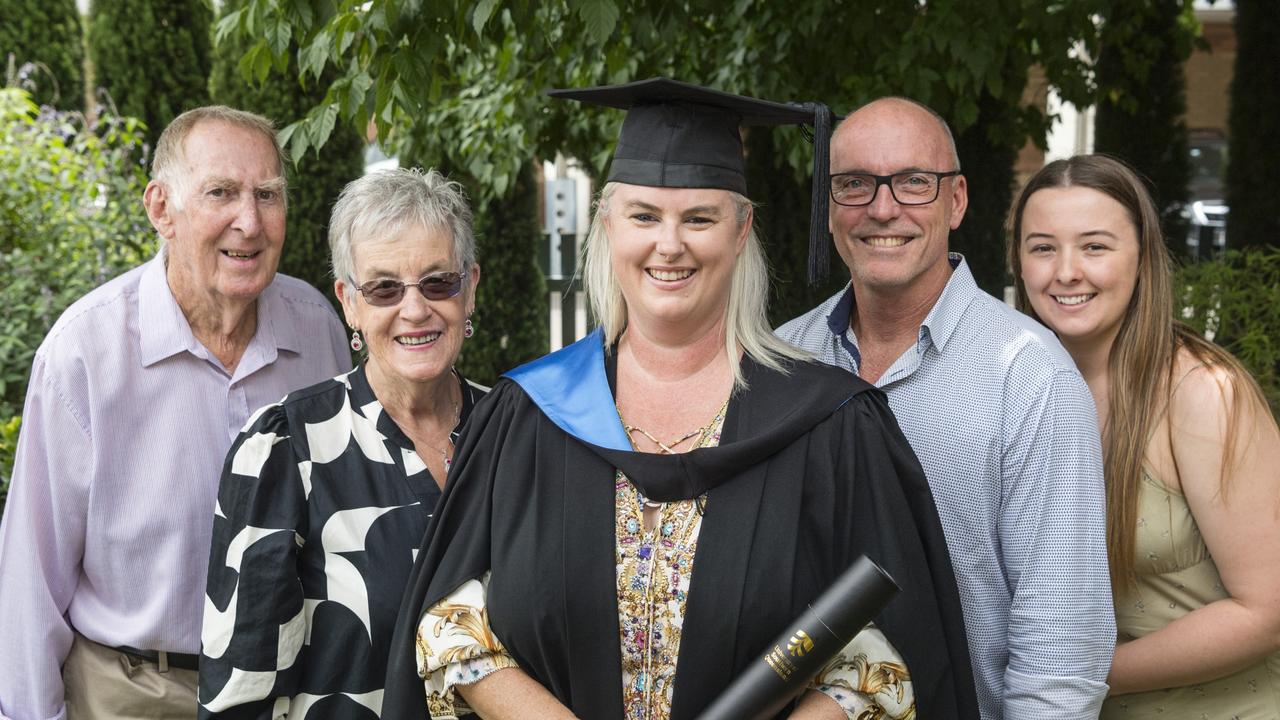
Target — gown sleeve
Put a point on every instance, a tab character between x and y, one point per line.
455	549
254	623
456	646
901	531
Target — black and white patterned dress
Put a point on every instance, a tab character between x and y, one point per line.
322	506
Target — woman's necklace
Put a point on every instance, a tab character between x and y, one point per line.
670	448
448	442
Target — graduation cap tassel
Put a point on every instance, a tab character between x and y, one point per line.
819	249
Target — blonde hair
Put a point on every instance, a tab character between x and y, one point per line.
168	165
1143	356
746	314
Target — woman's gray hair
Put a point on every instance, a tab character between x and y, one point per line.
746	315
385	202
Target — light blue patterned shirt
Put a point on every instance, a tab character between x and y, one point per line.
1007	433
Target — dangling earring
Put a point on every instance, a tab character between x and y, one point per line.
468	329
356	343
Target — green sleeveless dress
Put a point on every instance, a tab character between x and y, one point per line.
1175	576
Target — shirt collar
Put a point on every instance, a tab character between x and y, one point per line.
946	313
943	317
275	324
164	331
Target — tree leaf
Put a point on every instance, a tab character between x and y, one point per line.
481	13
322	125
600	17
278	36
311	60
229	24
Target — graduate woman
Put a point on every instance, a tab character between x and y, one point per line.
631	519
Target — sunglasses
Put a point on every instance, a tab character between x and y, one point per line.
438	286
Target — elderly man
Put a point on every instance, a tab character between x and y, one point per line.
993	407
134	399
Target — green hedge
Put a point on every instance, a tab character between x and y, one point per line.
1237	301
71	218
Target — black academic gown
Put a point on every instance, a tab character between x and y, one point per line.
811	471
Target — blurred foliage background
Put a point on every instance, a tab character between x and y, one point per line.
458	85
69	221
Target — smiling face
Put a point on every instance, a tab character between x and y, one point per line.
673	252
416	340
890	248
1079	254
224	222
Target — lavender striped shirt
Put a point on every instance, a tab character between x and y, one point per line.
127	422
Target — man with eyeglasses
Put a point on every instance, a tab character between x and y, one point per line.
1000	419
134	398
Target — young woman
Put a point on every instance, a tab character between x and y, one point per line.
1191	450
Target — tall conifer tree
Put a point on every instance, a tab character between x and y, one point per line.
1253	171
47	35
152	57
1143	102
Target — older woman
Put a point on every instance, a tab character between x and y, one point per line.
1191	451
326	495
633	518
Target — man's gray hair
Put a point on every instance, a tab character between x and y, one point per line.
384	203
168	166
746	321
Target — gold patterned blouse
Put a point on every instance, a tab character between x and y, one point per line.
455	645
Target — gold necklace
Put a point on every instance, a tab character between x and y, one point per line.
667	449
699	432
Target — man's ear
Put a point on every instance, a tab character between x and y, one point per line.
159	208
959	200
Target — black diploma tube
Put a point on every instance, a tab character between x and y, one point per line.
809	642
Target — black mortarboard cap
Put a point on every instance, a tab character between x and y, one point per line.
685	136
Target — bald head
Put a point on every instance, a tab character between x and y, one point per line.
913	121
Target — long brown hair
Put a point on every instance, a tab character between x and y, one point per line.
1142	358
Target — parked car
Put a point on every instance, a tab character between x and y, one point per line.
1206	212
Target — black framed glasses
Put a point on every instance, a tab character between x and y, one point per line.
915	187
436	286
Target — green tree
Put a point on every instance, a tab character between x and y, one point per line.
1253	173
316	178
152	57
470	77
987	159
46	43
511	302
465	80
1142	101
